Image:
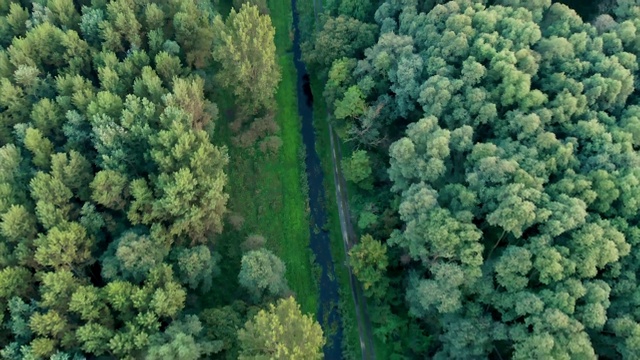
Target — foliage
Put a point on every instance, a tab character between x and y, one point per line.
262	273
282	332
511	137
111	190
245	49
341	37
357	168
368	259
260	4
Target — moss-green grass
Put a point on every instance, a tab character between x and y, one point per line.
294	249
268	191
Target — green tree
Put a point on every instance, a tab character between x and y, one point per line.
17	19
74	171
189	96
66	246
510	190
194	33
57	288
360	10
245	48
13	177
121	28
94	338
340	78
52	199
196	266
357	168
187	197
182	340
341	37
15	281
132	256
260	4
369	262
262	273
64	14
40	147
106	156
222	325
282	332
18	224
352	105
109	189
88	302
168	67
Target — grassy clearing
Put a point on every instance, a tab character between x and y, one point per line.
268	191
293	249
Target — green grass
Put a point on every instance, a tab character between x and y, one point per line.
293	244
268	191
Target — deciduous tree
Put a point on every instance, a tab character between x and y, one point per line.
282	332
245	48
262	273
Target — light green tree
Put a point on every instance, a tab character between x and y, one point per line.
369	262
245	48
262	273
281	332
357	168
40	147
109	189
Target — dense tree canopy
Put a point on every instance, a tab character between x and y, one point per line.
112	191
493	148
511	135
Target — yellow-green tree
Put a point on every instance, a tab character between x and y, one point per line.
369	261
245	49
281	332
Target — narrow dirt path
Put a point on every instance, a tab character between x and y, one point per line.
349	238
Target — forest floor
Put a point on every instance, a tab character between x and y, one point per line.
268	191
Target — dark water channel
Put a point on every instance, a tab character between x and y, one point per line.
328	314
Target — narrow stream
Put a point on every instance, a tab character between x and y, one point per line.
328	314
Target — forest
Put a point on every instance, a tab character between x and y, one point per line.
156	199
114	190
492	153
